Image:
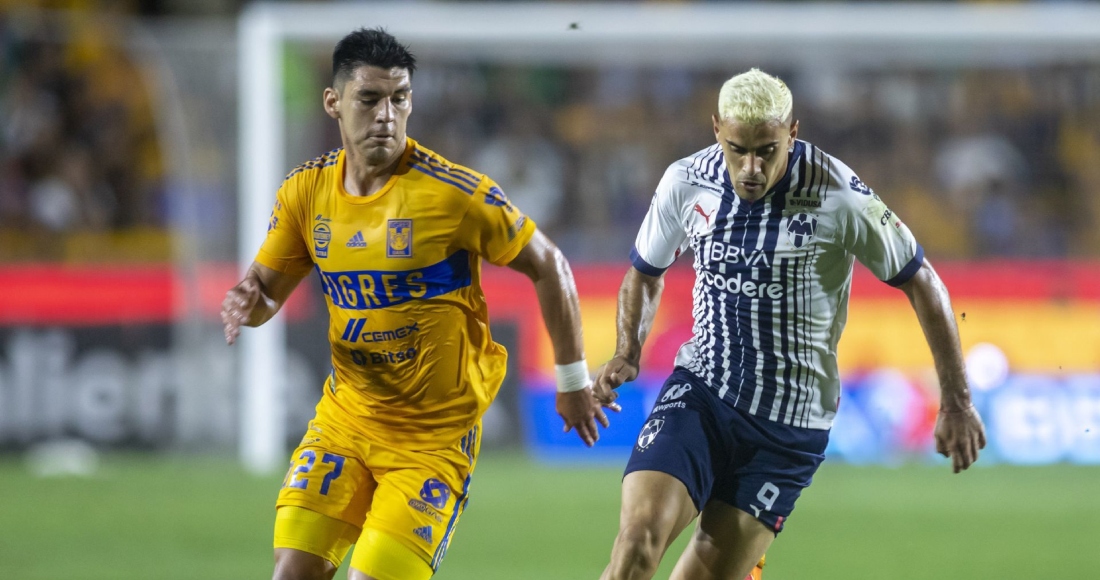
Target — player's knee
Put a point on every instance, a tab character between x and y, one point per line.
299	565
638	548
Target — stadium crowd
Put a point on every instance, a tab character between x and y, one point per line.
1008	153
79	149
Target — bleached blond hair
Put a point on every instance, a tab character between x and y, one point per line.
753	98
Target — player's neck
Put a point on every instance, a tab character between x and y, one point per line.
362	178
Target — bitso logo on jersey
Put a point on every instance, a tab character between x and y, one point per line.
399	238
322	235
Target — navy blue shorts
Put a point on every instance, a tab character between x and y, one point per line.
723	453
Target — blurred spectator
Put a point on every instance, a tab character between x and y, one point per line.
78	142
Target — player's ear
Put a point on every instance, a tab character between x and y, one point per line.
714	120
331	101
794	132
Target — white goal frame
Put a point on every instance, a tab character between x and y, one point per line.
803	35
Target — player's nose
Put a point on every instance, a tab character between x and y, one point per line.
752	165
386	111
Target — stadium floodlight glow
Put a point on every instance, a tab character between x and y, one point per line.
847	36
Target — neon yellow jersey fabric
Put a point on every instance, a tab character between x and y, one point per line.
413	361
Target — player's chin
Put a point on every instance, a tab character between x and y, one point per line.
377	152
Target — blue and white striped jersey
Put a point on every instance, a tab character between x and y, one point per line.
772	277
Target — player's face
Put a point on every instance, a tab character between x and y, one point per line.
373	109
756	155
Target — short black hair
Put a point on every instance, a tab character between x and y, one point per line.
369	46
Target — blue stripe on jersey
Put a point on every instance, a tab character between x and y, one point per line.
369	289
453	171
749	226
710	347
468	445
440	175
909	270
766	310
643	266
785	345
785	182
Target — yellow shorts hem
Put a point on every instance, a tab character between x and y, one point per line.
386	556
315	533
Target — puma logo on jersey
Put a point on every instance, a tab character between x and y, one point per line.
706	216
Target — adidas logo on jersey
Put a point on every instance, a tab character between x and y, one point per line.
424	533
357	241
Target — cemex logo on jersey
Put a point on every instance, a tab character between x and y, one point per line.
649	432
801	229
435	493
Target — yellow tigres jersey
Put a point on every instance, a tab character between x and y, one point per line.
413	361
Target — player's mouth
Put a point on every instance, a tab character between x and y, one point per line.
753	186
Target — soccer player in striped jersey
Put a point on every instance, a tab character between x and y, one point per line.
741	425
397	235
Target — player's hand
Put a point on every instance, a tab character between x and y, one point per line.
237	307
581	410
611	376
960	435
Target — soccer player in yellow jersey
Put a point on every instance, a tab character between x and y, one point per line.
397	234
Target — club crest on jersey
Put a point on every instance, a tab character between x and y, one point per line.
801	229
399	238
322	235
649	432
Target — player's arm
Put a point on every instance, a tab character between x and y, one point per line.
542	262
959	431
639	296
257	298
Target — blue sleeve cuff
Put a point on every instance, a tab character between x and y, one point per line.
909	270
644	267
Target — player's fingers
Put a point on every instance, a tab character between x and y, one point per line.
941	445
975	447
582	431
613	406
602	418
981	438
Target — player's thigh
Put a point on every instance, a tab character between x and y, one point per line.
766	477
416	508
726	545
309	545
655	505
325	497
681	437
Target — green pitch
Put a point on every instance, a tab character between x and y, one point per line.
187	518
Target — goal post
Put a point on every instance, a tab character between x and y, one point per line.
851	36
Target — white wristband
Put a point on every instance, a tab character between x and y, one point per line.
572	377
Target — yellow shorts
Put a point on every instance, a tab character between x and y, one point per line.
373	494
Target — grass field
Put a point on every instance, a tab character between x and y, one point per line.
142	517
